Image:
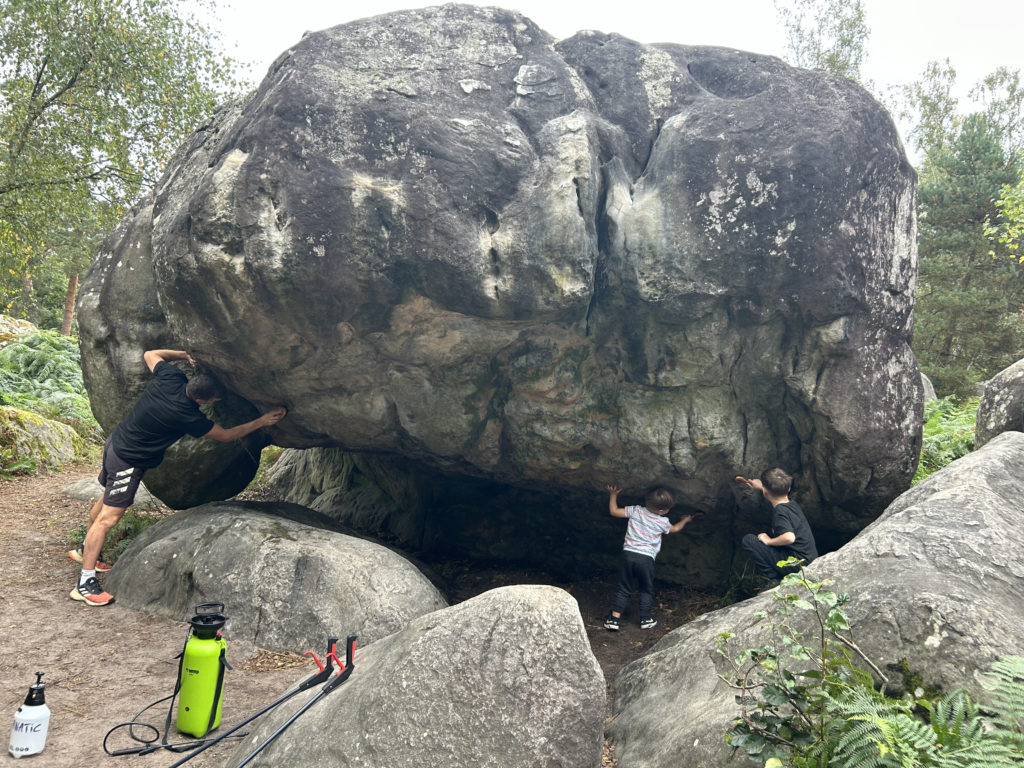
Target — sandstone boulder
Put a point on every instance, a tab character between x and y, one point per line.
89	489
32	437
935	583
287	582
1002	405
12	327
505	679
440	235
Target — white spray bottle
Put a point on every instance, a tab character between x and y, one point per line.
28	736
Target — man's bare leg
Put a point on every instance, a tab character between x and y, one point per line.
95	511
102	519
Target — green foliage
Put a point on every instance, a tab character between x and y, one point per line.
930	108
130	525
41	372
95	96
12	464
825	34
968	316
947	433
1008	229
805	703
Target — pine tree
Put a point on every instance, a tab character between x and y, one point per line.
968	322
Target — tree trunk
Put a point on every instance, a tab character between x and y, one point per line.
69	305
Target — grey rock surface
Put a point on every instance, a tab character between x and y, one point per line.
505	679
440	235
286	581
90	490
51	443
1002	405
935	582
929	388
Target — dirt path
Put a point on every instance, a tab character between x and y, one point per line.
103	665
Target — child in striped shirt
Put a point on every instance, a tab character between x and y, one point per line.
647	524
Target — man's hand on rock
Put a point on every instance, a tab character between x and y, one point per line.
272	417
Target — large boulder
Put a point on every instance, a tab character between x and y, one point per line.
1002	405
936	584
505	679
286	580
442	236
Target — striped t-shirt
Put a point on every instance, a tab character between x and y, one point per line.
644	532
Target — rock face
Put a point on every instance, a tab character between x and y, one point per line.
505	679
441	236
286	582
1002	405
935	582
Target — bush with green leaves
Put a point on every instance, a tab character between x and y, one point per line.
41	372
130	525
804	701
947	433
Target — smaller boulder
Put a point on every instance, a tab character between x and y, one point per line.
30	435
89	489
929	389
1002	405
504	679
11	328
286	580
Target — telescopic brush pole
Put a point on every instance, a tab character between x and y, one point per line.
330	685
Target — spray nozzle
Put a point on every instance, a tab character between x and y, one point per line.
36	695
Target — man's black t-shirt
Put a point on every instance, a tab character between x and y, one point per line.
788	517
162	415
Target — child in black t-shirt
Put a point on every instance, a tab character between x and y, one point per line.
790	536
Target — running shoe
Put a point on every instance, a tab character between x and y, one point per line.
91	593
612	623
76	555
648	622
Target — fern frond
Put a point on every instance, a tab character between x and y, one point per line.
1007	699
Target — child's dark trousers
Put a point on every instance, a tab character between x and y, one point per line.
637	575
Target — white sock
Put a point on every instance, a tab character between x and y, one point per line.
86	575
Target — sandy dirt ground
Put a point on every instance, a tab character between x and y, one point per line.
104	665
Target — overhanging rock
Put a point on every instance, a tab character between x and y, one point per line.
440	235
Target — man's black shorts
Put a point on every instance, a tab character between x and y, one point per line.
119	479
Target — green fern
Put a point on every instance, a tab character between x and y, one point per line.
41	372
831	714
947	433
1007	700
12	464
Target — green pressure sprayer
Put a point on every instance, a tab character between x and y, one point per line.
329	683
198	689
200	684
201	674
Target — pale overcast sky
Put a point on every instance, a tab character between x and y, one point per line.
975	35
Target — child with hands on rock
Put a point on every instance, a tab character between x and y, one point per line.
647	524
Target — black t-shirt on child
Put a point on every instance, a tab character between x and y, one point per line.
789	517
162	415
